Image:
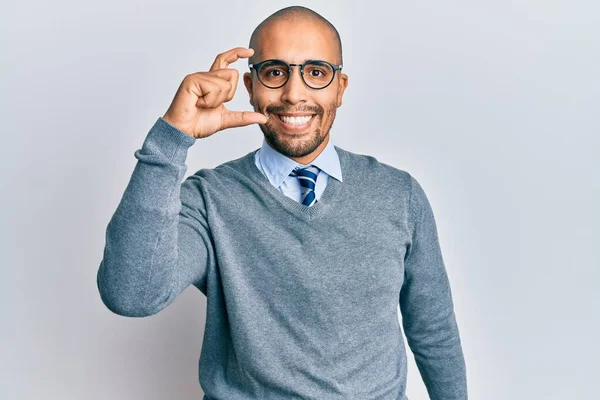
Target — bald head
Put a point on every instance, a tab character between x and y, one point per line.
294	14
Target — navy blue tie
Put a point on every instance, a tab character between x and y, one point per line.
308	178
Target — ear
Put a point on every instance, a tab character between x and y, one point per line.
342	84
248	84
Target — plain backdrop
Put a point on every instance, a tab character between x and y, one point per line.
492	105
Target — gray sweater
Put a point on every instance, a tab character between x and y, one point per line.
301	301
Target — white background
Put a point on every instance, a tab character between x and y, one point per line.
491	105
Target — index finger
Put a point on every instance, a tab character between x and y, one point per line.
224	59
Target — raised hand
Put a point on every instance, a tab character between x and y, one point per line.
197	108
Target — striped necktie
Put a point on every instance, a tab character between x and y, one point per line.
308	178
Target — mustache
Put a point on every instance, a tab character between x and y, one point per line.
285	109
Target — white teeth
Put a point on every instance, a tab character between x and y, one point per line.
295	120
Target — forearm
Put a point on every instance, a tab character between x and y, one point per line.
138	275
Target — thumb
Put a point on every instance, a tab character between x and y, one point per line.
232	119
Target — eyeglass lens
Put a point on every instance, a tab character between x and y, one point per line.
275	74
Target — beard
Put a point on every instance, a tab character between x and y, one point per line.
297	147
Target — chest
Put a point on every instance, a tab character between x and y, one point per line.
349	259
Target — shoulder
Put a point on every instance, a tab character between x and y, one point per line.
225	178
387	180
226	170
370	168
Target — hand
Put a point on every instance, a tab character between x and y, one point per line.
197	108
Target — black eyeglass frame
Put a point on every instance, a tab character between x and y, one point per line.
256	67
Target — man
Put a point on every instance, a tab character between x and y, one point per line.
304	250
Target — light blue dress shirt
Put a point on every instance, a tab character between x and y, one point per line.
277	167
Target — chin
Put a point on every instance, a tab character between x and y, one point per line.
295	145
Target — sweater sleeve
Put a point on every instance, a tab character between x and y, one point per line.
427	308
158	241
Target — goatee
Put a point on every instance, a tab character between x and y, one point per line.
296	147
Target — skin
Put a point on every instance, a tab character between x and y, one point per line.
198	107
295	42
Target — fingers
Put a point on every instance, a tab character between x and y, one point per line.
224	59
213	88
211	95
222	86
232	76
233	119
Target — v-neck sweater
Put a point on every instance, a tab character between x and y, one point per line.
301	301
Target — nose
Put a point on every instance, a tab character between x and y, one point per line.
294	91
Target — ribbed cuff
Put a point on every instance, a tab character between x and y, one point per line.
163	138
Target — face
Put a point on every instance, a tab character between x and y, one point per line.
294	43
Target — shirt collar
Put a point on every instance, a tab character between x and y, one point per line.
277	167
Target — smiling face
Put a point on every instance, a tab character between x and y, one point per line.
299	118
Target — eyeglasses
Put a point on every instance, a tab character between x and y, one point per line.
316	74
